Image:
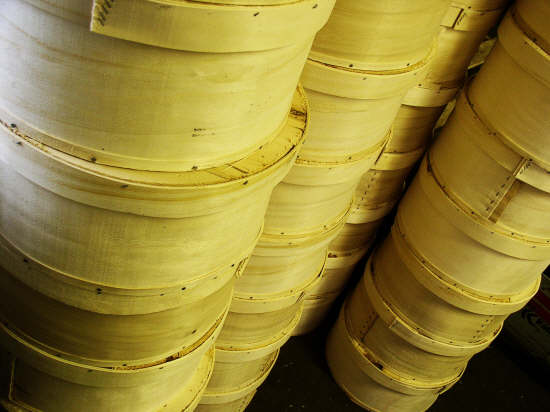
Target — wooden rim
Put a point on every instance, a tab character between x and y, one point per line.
95	374
338	259
398	160
314	173
117	188
385	376
241	392
244	303
532	59
258	350
494	145
348	160
269	303
421	96
362	84
468	17
186	401
210	26
112	300
283	245
415	335
362	214
478	228
452	292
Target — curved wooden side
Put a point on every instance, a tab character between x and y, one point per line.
361	213
317	172
305	212
497	195
412	128
339	268
373	35
381	186
463	28
211	26
426	308
277	244
367	383
176	381
400	348
243	330
279	275
533	16
363	84
261	303
229	352
342	126
450	248
316	309
113	226
109	339
453	292
517	111
191	111
232	382
354	235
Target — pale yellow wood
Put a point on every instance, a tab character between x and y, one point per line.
108	300
374	35
214	26
299	210
231	376
45	382
367	384
315	310
338	271
248	330
363	84
341	127
110	339
285	245
479	184
114	226
254	302
491	142
517	111
395	273
430	98
463	28
483	230
533	15
480	4
315	194
381	186
270	277
449	247
233	382
401	348
125	104
317	172
354	235
244	352
361	213
412	128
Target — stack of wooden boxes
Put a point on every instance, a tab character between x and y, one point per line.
470	239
